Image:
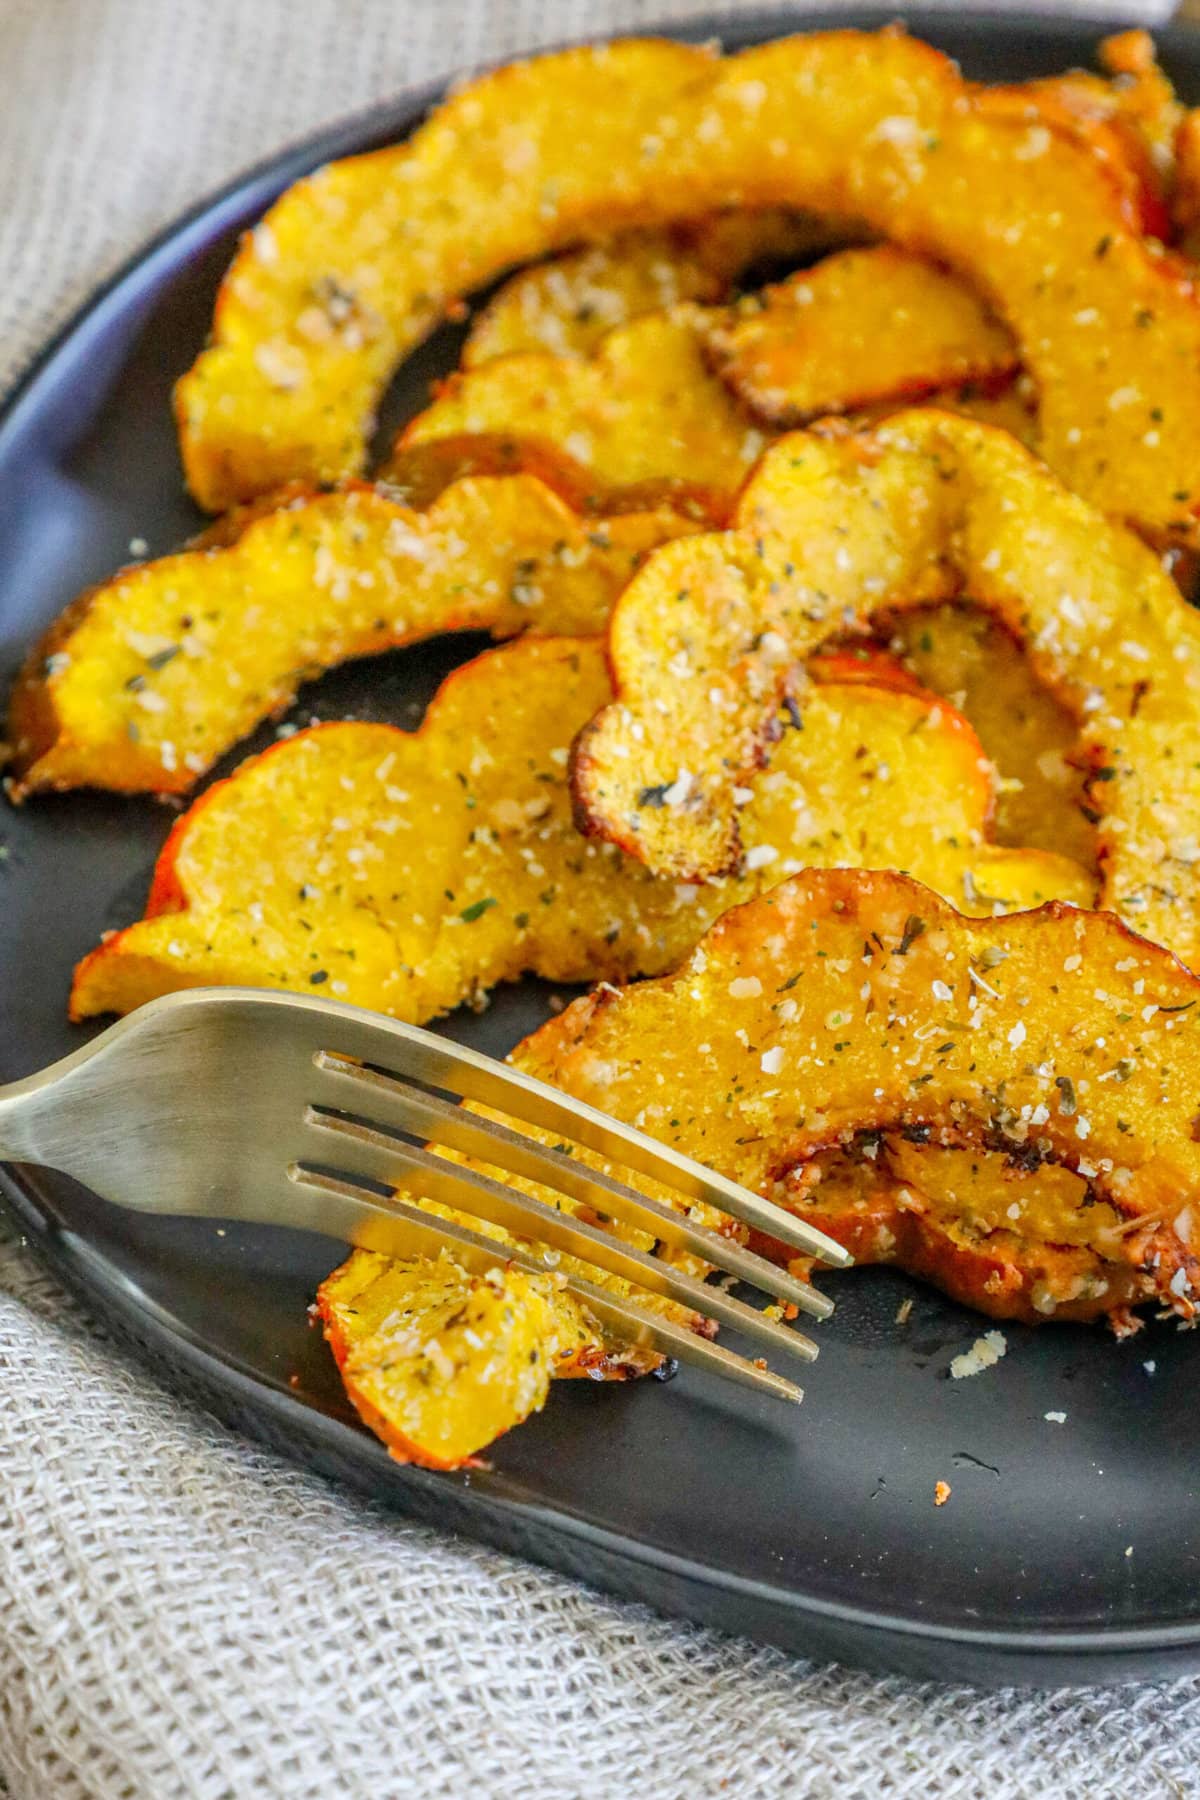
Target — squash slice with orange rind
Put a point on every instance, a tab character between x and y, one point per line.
644	407
1014	1243
352	266
146	680
843	1006
410	871
834	531
861	327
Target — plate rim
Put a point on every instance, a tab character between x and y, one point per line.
1050	1650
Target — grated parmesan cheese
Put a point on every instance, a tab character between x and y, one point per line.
983	1354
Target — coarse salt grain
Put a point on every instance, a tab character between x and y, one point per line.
745	987
760	855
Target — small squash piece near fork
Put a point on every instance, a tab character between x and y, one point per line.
440	1363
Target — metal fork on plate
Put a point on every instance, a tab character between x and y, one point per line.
285	1110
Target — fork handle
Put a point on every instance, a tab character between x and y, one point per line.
16	1144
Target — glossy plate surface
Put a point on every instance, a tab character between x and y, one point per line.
814	1529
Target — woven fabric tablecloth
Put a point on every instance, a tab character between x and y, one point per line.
182	1614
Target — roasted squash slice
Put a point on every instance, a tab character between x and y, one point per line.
410	871
354	265
146	680
836	531
846	1007
1014	1243
644	407
861	327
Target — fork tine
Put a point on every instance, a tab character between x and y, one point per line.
364	1149
418	1055
428	1116
629	1322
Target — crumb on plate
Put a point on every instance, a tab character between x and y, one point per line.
984	1352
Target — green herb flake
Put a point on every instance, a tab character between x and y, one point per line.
913	929
654	796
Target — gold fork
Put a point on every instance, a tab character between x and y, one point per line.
237	1103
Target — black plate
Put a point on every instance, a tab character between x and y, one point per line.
1068	1552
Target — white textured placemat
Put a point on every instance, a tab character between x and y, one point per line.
181	1614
